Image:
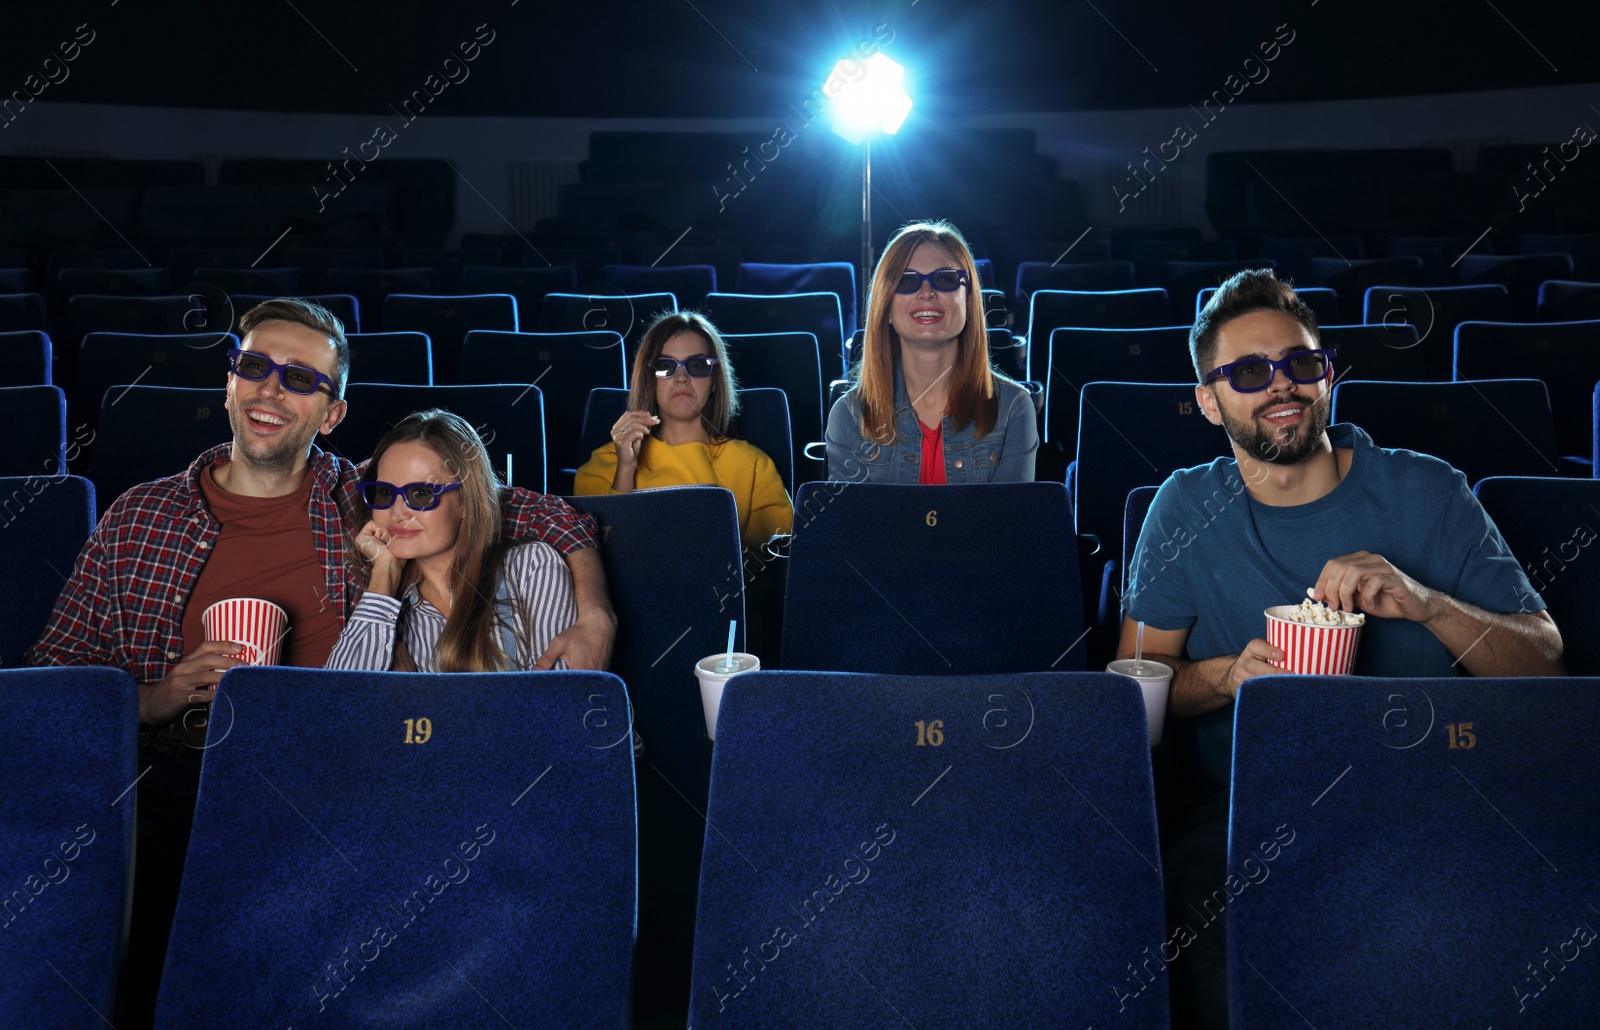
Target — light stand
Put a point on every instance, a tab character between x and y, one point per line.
871	101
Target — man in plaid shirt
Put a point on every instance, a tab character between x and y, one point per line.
264	516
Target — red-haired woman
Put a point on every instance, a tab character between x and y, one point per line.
926	406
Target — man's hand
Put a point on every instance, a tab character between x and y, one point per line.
586	644
1256	659
1367	582
190	682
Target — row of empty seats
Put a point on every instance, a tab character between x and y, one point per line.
402	868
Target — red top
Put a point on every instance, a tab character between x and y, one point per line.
932	471
266	548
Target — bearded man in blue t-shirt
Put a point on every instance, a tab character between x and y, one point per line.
1300	504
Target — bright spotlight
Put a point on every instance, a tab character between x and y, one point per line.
872	98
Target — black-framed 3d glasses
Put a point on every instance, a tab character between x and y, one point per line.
698	366
1253	375
255	366
945	280
418	496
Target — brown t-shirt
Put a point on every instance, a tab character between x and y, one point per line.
266	549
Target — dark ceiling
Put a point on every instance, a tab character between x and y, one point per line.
732	58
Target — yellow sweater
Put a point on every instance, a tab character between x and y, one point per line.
763	503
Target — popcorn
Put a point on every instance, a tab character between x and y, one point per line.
1315	613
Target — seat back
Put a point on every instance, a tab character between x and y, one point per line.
106	360
1090	275
33	423
69	841
370	286
22	311
1386	352
418	866
819	314
597	313
894	567
24	358
1561	301
680	543
342	306
1489	427
1351	279
318	261
285	282
1521	275
34	427
1184	280
1436	311
43	524
391	358
1566	355
1323	302
854	828
1294	253
116	282
1078	356
1584	249
689	283
1152	255
155	316
1439	254
1135	434
1328	922
1550	524
508	417
529	285
446	320
565	365
788	362
127	453
1096	309
1139	500
836	277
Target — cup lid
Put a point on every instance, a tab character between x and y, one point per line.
711	665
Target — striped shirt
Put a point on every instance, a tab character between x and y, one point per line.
536	579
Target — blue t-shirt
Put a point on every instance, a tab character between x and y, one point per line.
1211	559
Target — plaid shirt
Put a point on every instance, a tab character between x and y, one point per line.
124	604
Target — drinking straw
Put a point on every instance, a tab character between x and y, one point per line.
728	663
1138	652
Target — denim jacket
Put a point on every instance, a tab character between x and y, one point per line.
1004	455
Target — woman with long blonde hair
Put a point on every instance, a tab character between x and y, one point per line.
926	406
446	591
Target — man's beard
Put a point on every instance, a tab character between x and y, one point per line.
1299	442
277	456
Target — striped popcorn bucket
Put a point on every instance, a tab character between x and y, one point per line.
1309	648
258	625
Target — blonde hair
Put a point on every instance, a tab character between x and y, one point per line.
973	398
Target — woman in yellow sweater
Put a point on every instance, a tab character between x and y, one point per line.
675	432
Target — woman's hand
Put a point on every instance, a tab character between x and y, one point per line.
629	433
373	543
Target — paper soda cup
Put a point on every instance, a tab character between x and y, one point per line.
1155	680
714	675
